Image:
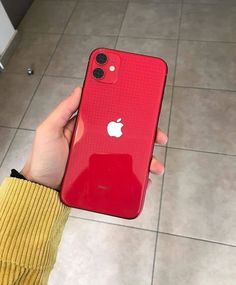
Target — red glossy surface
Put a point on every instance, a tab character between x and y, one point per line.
109	174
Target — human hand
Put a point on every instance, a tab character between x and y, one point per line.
49	153
48	156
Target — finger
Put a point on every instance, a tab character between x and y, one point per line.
157	167
63	112
68	131
70	125
69	128
161	137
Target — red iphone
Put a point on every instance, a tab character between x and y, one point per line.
111	149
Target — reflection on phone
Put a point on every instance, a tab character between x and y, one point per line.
108	184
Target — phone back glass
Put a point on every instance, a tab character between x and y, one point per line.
112	144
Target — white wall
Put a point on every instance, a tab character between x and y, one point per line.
7	31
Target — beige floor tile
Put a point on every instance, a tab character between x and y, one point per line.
199	196
181	261
102	254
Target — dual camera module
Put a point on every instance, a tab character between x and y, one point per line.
101	58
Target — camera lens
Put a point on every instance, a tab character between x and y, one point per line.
101	58
98	73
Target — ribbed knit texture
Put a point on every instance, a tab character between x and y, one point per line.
32	219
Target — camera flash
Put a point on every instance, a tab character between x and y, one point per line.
112	68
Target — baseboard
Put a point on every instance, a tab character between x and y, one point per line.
7	53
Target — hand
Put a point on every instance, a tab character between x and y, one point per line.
48	156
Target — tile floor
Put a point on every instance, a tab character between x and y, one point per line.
187	231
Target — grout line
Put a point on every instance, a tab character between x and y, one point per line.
46	75
23	33
197	239
6	127
201	151
21	73
114	224
202	88
121	24
90	35
1	162
24	129
160	145
210	4
207	41
149	38
165	158
177	39
62	76
31	99
158	220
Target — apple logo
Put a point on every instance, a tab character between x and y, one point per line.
114	128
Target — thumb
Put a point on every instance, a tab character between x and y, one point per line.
63	112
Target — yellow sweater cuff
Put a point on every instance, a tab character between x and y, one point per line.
32	219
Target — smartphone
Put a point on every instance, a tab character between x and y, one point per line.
113	139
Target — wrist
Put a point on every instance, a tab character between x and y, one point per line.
26	173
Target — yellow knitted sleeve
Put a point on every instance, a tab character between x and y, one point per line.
32	219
